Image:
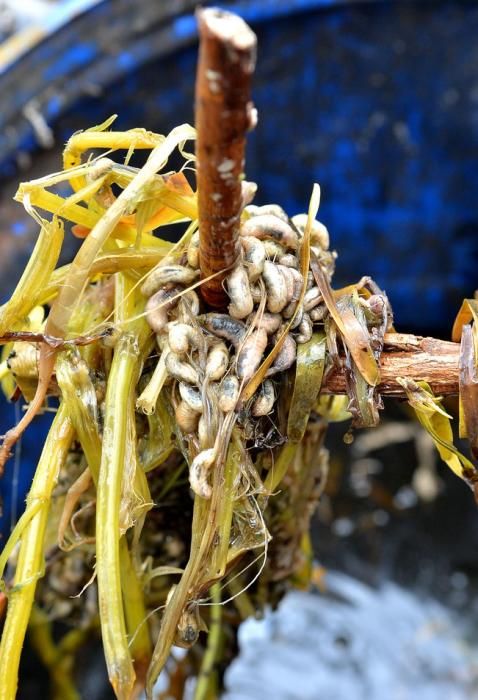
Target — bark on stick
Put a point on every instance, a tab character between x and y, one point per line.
224	114
428	359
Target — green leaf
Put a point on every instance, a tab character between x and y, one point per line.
308	379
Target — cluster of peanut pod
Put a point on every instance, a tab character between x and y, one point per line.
211	356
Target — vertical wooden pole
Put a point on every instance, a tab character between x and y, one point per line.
224	115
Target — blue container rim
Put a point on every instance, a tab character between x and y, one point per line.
24	42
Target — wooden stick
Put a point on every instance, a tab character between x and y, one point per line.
428	359
224	114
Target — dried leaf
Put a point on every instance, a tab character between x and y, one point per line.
468	312
178	183
436	422
355	337
365	401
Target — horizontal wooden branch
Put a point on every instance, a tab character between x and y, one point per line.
427	359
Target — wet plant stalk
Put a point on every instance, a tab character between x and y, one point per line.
75	392
232	469
122	378
35	276
113	625
207	682
58	658
149	397
79	272
30	560
205	525
135	611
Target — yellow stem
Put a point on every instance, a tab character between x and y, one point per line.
122	378
207	682
112	615
30	559
35	276
135	611
58	660
107	264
